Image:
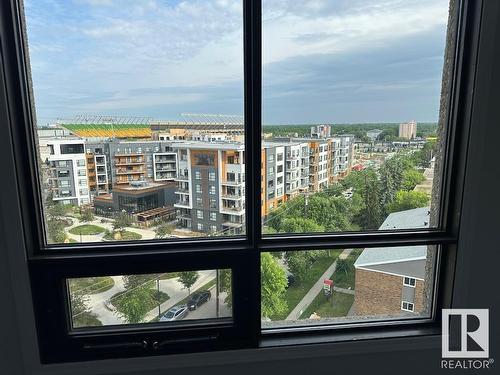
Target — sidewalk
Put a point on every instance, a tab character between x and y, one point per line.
316	288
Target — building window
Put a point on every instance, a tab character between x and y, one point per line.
211	176
200	227
409	281
213	203
82	172
198	188
407	306
80	162
199	201
213	216
199	214
213	228
197	175
212	189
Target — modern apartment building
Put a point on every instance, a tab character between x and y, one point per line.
408	130
319	160
211	187
67	171
321	131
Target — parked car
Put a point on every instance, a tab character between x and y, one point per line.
175	313
109	305
290	278
198	298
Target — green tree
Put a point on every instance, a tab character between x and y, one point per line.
411	178
121	221
343	265
87	214
134	281
134	304
163	230
371	215
273	286
55	230
225	285
406	200
300	225
298	263
188	278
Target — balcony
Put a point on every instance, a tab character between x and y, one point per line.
182	177
182	203
130	171
231	196
231	183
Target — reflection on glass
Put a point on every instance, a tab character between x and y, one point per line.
342	286
350	112
140	136
149	298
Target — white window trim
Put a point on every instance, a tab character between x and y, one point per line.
408	304
409	279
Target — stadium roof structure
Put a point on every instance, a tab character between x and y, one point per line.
101	126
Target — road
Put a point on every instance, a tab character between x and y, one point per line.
173	287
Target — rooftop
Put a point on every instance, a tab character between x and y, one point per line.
409	219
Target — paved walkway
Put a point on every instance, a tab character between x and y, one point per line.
316	288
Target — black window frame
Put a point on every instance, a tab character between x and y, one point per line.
50	267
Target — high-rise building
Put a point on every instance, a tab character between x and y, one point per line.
408	130
67	171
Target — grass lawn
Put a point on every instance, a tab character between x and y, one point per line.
91	285
337	306
298	290
345	280
86	229
150	303
126	236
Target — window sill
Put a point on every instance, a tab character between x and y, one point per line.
270	349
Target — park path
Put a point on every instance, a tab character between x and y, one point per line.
315	289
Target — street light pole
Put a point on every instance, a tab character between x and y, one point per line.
158	296
217	282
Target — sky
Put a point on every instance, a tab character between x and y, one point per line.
324	61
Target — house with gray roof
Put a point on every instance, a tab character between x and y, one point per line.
390	280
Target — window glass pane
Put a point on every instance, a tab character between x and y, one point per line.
351	98
147	119
149	298
344	286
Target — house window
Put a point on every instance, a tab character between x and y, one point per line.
316	236
199	201
407	306
409	281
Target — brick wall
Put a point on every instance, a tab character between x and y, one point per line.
379	293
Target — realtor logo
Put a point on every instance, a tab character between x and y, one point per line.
465	333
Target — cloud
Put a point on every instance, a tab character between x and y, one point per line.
150	57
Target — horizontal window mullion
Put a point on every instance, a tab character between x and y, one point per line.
339	241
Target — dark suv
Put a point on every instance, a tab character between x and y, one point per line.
197	299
